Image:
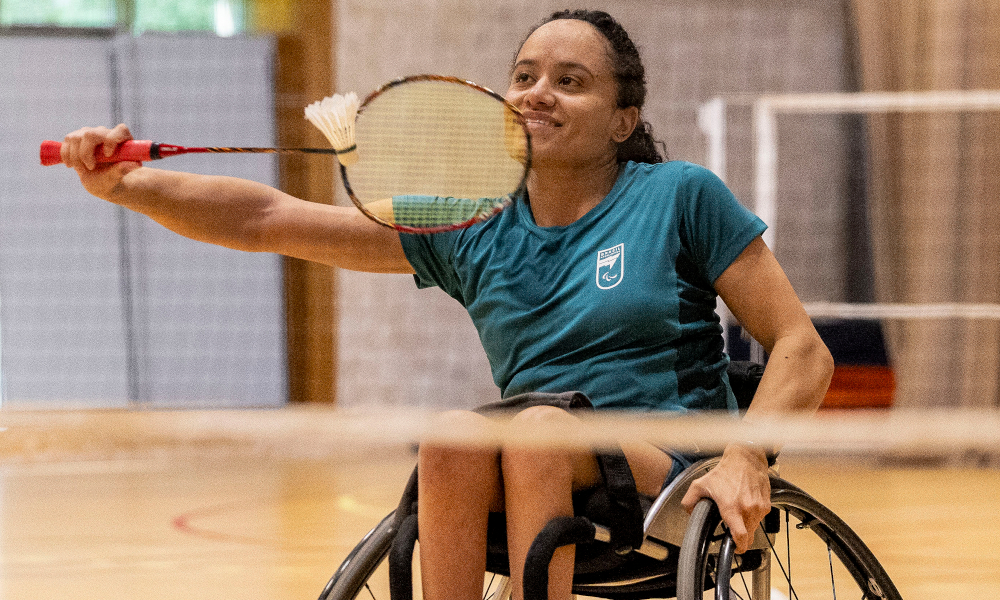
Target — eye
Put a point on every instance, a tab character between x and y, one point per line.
521	77
569	81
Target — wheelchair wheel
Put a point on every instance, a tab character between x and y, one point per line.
814	555
364	574
354	573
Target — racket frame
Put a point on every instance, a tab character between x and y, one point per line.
519	119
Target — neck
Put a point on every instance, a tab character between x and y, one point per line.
561	195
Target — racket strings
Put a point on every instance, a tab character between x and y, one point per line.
445	153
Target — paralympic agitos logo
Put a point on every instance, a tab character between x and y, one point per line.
610	266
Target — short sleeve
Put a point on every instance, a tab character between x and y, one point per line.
715	228
432	258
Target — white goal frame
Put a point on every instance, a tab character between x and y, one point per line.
766	108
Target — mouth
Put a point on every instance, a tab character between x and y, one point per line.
535	119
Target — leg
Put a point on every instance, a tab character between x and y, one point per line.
458	486
539	483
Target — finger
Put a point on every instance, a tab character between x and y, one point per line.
66	152
89	141
738	530
115	137
694	493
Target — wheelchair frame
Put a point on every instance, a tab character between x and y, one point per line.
695	551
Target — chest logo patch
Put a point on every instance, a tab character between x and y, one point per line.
610	266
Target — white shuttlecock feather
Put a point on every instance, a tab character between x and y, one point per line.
334	116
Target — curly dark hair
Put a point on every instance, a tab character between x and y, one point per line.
630	76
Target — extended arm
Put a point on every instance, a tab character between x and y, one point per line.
235	213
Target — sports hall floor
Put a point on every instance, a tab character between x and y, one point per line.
220	524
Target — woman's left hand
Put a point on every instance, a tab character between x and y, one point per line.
740	487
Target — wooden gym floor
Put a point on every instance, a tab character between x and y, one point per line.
222	524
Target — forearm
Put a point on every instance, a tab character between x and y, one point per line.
225	211
235	213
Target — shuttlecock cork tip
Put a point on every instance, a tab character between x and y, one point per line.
334	116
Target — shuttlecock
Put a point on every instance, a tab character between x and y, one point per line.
334	116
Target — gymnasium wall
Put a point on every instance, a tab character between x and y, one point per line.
398	345
102	307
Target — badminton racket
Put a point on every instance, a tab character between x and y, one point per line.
421	154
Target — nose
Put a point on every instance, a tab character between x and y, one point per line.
539	94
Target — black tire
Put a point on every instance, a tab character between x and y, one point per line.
819	529
357	568
354	574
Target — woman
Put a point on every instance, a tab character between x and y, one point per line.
602	280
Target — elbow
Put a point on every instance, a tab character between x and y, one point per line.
811	367
821	366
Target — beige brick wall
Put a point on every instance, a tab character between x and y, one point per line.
403	346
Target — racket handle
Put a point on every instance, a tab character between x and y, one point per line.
132	150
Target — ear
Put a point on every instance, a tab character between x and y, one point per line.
628	118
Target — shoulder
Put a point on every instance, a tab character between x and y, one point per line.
677	172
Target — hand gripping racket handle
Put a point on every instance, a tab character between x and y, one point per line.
132	150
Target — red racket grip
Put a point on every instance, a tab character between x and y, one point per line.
132	150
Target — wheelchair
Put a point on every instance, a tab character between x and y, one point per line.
801	549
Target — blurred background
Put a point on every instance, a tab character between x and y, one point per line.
100	307
890	216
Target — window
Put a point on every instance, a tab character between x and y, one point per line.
67	13
224	17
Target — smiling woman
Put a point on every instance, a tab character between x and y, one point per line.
558	309
600	280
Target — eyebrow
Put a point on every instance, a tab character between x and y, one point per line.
564	65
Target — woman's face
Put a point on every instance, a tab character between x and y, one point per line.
564	84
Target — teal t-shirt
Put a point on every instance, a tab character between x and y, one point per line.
619	304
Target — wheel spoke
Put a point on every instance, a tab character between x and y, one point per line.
743	578
788	551
786	573
833	580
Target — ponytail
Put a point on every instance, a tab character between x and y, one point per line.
641	146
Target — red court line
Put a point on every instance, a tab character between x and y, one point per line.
183	523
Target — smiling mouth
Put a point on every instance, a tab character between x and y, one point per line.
542	122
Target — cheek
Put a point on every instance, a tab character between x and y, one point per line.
514	97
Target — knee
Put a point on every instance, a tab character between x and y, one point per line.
542	427
530	441
446	450
542	416
549	448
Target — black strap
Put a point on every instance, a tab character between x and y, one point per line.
408	502
625	510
